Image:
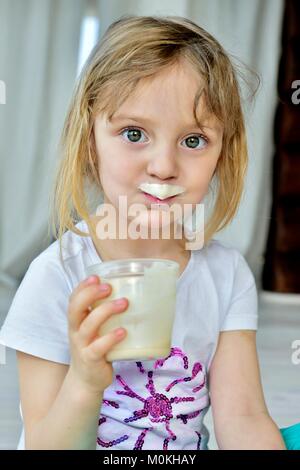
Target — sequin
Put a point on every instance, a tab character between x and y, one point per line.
158	406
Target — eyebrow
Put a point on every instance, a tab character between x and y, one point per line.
123	117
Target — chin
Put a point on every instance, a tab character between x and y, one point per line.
153	220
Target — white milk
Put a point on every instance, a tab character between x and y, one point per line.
149	317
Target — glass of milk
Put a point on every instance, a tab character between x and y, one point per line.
150	286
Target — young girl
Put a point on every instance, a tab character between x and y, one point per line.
157	102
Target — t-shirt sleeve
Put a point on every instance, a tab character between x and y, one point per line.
37	321
243	306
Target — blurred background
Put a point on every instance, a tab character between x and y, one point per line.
43	45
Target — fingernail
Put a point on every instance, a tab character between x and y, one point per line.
120	302
91	279
104	287
120	331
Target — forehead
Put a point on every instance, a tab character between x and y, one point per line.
166	97
178	84
170	91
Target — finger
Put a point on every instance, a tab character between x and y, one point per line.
101	346
91	280
90	326
78	306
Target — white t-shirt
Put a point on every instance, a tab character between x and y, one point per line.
150	404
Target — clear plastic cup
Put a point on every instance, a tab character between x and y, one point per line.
150	287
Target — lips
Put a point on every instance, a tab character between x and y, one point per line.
156	199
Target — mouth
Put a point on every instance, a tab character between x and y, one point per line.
160	193
156	199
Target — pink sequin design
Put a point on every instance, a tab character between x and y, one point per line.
157	406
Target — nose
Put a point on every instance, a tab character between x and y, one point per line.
163	164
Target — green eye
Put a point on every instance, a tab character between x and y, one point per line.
134	135
194	140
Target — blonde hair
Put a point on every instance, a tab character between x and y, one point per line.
135	47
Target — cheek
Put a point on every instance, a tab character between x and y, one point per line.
208	165
117	168
200	179
202	175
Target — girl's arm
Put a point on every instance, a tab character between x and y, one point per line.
58	412
241	418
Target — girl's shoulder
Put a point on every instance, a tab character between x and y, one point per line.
72	243
224	263
220	253
70	260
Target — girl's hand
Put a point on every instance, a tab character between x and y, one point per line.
88	362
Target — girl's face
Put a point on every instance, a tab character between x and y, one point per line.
163	145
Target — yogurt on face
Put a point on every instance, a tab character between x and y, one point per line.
162	191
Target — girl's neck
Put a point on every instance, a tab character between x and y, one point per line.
112	249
